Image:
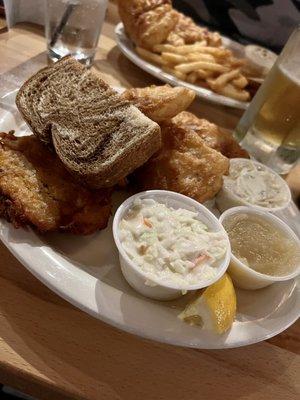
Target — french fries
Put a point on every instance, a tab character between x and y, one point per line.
149	56
240	82
230	91
236	62
178	74
223	79
200	57
202	74
173	58
215	51
192	77
211	66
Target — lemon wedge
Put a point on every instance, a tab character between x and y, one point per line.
214	308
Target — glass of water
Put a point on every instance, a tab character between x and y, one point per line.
73	27
270	128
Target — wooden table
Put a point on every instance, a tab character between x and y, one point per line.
51	350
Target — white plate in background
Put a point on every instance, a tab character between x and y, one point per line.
85	271
128	49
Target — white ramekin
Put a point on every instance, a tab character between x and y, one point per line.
135	276
245	277
226	199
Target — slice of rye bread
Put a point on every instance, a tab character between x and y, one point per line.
98	136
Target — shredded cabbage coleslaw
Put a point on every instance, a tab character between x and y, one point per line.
255	184
170	245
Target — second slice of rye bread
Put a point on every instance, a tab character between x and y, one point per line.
98	136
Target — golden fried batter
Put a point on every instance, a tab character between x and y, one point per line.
147	22
187	32
160	103
36	189
185	164
214	137
151	22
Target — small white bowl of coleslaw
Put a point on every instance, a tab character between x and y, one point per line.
250	183
169	244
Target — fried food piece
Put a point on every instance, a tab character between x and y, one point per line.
147	22
195	48
185	164
230	90
203	65
191	53
213	136
187	32
150	56
160	103
240	82
178	74
214	39
37	190
150	22
223	79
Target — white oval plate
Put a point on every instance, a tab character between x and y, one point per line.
85	271
128	49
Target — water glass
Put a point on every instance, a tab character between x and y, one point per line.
73	27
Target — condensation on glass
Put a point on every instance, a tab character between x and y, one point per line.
270	128
73	27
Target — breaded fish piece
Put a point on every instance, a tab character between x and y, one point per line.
147	22
214	136
186	31
160	103
37	190
185	164
151	22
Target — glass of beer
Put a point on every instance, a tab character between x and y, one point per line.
270	128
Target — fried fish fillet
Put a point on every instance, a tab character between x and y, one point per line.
37	190
213	136
151	22
185	164
160	103
147	22
186	31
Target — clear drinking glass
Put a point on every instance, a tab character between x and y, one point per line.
73	27
270	128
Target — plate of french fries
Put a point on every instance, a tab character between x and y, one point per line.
214	73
